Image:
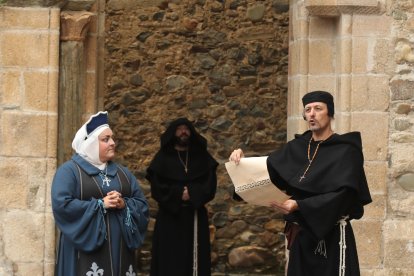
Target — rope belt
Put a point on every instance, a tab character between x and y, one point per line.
195	245
342	245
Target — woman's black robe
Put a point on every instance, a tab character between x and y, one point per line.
334	186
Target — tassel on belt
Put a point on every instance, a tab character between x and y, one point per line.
321	247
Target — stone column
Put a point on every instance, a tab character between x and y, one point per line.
74	27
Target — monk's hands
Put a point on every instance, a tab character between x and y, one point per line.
236	155
114	199
286	207
186	195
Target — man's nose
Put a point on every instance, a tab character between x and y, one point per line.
312	112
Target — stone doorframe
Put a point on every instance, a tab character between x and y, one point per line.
338	46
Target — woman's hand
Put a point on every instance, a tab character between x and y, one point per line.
286	207
236	155
114	199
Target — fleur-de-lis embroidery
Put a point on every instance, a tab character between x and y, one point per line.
130	272
96	271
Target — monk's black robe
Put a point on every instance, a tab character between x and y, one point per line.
334	187
173	238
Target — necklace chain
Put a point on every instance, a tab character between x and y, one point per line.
309	159
104	177
186	160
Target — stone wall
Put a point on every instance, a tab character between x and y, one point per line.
398	239
224	66
232	85
29	54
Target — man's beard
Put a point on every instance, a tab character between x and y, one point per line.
314	128
182	141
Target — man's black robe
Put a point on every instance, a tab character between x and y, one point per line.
172	246
334	186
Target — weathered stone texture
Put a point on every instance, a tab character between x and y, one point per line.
15	144
322	27
29	49
386	272
379	62
321	57
10	84
400	202
36	84
406	181
78	5
374	130
377	209
324	82
52	98
402	89
22	228
376	173
344	65
402	156
360	48
370	93
222	65
13	183
398	234
340	7
368	234
398	243
24	49
371	25
30	19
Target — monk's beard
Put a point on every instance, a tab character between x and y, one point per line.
182	141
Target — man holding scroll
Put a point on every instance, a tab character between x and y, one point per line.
323	172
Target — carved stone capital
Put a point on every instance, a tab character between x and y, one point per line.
74	25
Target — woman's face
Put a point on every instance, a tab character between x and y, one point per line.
106	145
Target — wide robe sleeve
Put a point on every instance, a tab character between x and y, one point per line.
321	213
165	192
82	222
203	189
134	217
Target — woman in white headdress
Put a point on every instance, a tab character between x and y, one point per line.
98	207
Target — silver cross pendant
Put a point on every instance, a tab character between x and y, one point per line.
106	181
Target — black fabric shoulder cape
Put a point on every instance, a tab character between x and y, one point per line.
338	163
200	161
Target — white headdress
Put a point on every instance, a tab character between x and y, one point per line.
86	142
